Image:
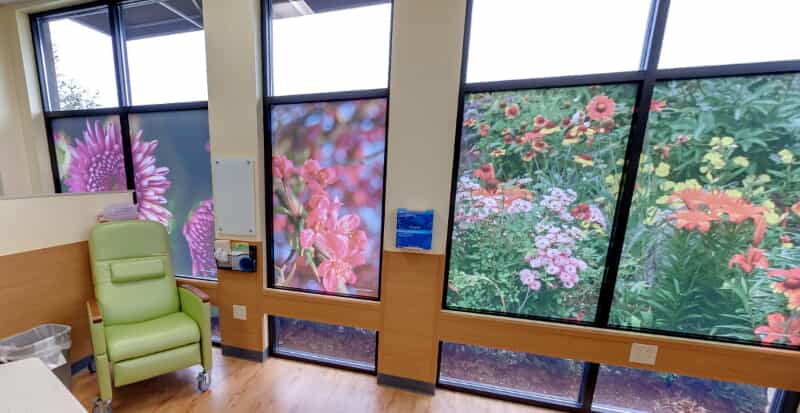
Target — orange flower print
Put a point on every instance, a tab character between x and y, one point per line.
689	220
718	204
778	329
470	122
755	258
601	107
789	286
512	111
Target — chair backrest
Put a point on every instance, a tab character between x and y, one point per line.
132	271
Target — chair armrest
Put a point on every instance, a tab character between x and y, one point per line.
96	327
196	291
195	304
94	311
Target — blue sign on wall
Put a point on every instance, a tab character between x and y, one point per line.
414	229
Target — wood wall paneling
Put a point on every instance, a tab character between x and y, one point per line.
328	309
49	285
411	295
242	288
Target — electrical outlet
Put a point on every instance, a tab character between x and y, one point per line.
239	312
643	354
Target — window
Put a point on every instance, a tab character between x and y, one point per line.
88	153
97	66
328	149
175	39
325	343
537	186
327	171
619	194
68	43
622	389
718	32
511	374
521	39
216	337
710	240
329	46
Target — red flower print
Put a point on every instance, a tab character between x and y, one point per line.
533	136
512	111
657	105
485	172
484	130
316	177
528	156
470	122
755	258
581	211
601	107
790	286
539	121
565	121
681	139
281	167
778	329
540	146
796	208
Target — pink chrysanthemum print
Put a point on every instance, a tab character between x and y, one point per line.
199	234
97	165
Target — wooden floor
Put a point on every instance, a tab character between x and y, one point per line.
278	386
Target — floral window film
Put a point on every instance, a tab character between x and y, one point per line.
327	176
89	154
172	165
710	243
538	176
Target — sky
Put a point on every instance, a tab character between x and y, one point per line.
511	39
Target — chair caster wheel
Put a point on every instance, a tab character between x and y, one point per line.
203	381
101	406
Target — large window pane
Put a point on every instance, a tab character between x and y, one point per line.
327	173
173	184
348	346
78	61
710	243
89	154
509	373
625	390
520	39
327	46
717	32
166	51
538	177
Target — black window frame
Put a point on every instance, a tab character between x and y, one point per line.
645	78
268	102
124	107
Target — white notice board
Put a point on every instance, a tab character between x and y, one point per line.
234	196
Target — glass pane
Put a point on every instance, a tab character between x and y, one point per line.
78	61
717	32
327	172
215	332
348	346
622	389
538	177
330	46
509	373
173	184
710	244
520	39
89	154
166	51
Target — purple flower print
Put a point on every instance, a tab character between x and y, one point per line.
199	233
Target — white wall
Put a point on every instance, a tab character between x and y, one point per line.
46	221
426	63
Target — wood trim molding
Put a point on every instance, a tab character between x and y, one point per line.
94	309
210	288
328	309
194	290
721	361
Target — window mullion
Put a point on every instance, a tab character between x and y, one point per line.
644	96
120	55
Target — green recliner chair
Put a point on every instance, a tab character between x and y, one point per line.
142	323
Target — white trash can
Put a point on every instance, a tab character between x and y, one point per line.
48	342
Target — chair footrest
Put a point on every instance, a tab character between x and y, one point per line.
142	368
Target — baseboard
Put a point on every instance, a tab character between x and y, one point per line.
244	353
406	384
81	364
